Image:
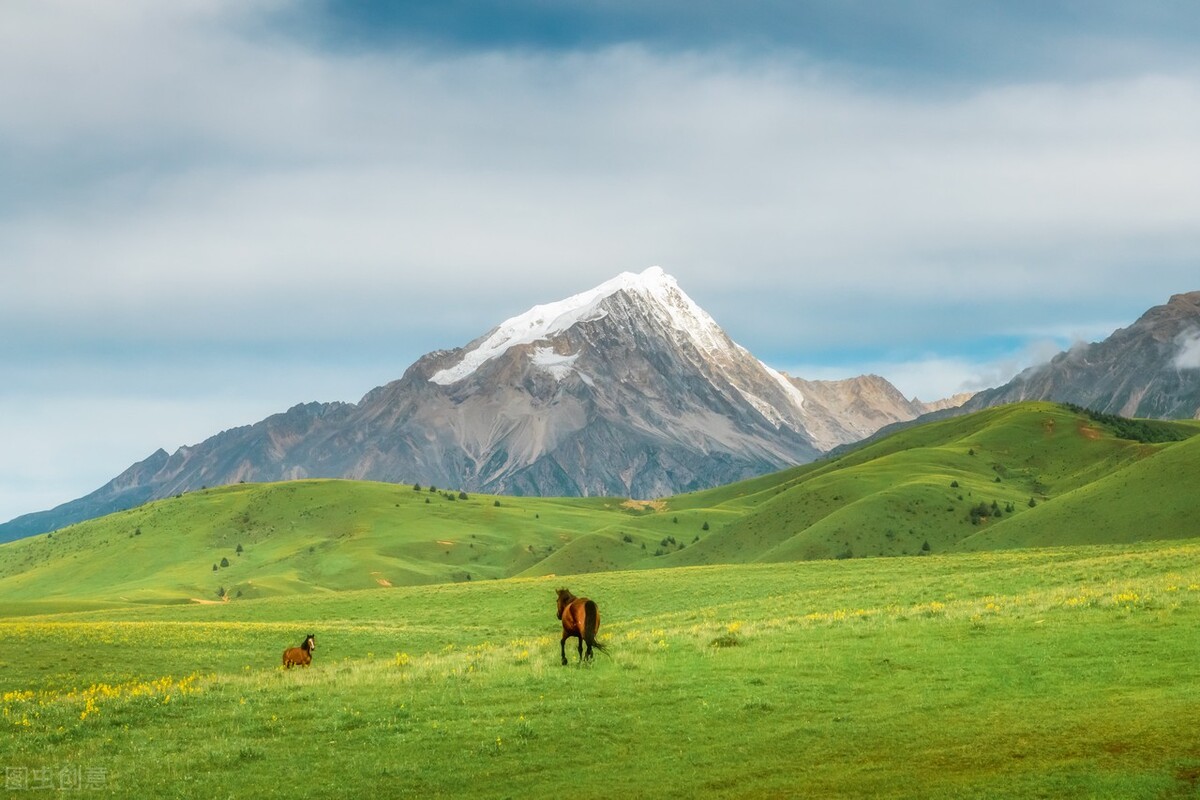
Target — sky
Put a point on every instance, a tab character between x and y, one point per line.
211	210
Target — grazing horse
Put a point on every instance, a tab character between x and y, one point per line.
301	655
581	619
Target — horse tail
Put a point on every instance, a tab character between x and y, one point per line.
591	623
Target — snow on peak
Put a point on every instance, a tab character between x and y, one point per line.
543	321
685	316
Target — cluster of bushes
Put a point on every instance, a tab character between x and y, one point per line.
225	561
448	495
984	511
666	544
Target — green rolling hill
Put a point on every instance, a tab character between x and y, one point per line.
1033	474
1029	474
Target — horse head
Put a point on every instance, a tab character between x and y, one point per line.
310	643
564	597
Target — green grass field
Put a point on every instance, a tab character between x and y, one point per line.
999	605
1056	673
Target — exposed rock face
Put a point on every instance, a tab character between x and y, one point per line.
1150	369
629	389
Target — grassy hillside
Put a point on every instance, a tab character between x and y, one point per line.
302	536
1016	476
1063	673
914	492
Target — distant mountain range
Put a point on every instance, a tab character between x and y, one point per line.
628	389
1150	369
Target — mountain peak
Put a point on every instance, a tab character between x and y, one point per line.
1188	300
653	285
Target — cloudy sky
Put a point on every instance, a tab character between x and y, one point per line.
211	210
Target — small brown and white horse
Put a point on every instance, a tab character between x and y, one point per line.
301	655
581	619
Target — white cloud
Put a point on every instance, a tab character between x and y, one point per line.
1188	356
235	163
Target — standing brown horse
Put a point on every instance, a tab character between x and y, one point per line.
581	619
301	655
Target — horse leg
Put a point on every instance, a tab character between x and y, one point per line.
581	648
589	651
562	645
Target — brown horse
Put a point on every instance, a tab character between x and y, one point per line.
581	619
301	655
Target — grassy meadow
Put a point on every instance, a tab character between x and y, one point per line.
999	605
1068	672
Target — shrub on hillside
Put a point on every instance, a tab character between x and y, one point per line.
979	512
1146	431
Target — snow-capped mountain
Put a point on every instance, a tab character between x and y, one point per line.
661	300
663	320
629	389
